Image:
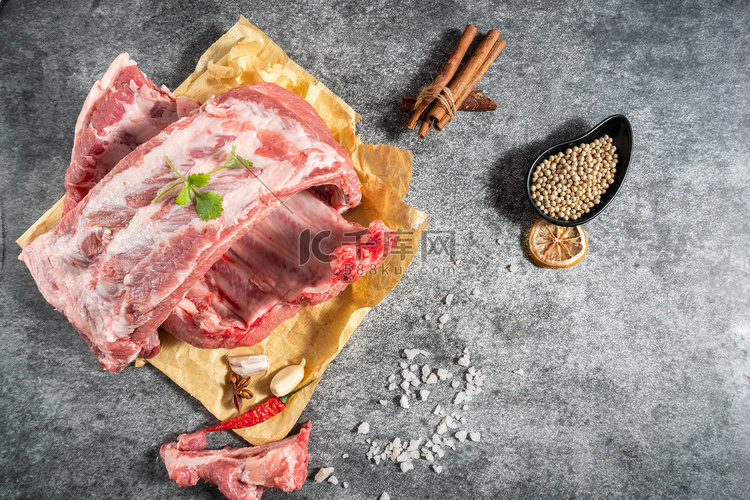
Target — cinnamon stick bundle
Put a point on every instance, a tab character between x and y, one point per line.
496	49
442	99
446	73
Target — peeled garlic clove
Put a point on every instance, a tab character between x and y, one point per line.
245	366
287	379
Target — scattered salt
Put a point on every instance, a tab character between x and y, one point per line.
333	480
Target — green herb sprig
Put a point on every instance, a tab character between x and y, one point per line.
208	204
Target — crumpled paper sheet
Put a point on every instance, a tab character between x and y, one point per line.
242	56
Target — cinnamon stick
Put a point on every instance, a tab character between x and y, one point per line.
459	84
475	101
496	49
448	70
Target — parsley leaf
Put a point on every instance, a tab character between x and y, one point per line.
198	180
184	197
208	205
234	161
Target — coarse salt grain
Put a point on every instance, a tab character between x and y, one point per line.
406	466
404	402
333	480
437	468
448	299
474	436
363	428
443	319
410	354
323	474
423	394
385	496
464	360
461	436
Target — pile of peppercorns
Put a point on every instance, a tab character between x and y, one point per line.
567	185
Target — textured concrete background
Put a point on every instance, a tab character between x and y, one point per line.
625	376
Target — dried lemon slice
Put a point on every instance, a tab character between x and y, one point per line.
557	246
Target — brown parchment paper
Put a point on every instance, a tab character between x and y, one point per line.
242	56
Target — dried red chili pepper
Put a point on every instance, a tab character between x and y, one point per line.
258	414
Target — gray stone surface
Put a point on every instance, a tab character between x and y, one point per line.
624	377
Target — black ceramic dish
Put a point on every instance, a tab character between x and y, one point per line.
618	128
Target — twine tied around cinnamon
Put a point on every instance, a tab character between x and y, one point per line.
444	96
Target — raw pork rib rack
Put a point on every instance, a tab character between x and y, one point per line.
116	265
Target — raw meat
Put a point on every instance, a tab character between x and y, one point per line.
240	473
261	281
302	254
122	111
117	264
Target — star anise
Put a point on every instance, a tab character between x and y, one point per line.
239	391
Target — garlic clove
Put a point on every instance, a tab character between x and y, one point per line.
246	365
287	379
